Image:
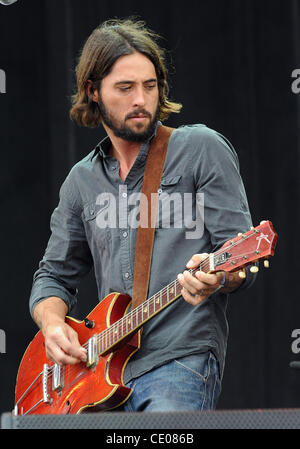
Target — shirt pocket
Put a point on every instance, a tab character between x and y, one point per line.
170	202
169	183
97	224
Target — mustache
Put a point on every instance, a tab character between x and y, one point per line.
138	112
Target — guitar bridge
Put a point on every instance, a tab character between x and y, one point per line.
46	397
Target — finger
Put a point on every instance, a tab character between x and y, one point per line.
188	281
57	355
76	350
64	347
207	278
196	259
192	299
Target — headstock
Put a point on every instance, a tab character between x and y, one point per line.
247	249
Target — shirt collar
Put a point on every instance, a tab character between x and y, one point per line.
104	145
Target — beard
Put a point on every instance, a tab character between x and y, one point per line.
123	131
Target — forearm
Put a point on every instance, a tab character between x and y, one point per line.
49	309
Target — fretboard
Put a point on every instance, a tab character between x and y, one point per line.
243	250
137	317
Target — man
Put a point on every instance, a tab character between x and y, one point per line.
122	84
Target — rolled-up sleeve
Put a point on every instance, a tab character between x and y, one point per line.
67	257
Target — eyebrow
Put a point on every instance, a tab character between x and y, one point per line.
151	80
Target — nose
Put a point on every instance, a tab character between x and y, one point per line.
139	97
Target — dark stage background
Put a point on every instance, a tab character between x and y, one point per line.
231	65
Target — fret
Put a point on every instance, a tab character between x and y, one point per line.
101	343
151	307
165	298
157	300
116	332
146	311
120	328
129	322
97	344
151	303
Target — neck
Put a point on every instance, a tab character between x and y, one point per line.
125	152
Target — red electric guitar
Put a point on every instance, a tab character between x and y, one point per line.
111	335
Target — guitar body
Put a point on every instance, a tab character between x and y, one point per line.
84	389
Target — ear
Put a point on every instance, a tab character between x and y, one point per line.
91	92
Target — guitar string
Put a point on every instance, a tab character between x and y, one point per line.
108	332
203	264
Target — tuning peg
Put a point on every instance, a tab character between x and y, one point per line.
254	269
242	274
266	263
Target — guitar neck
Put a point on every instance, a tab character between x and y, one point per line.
245	249
137	317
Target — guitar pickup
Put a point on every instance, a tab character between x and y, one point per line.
92	353
57	378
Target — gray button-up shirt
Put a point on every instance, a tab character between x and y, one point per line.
202	204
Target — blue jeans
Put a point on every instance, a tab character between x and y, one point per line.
187	383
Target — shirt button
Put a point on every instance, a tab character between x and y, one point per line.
126	275
125	234
159	191
124	195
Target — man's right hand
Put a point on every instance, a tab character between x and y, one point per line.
61	341
62	345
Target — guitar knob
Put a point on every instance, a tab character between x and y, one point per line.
266	263
240	234
263	221
89	324
242	274
254	269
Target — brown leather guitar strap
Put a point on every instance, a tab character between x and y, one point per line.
147	214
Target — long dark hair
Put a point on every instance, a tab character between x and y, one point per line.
112	39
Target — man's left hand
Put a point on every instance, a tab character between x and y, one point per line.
196	288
